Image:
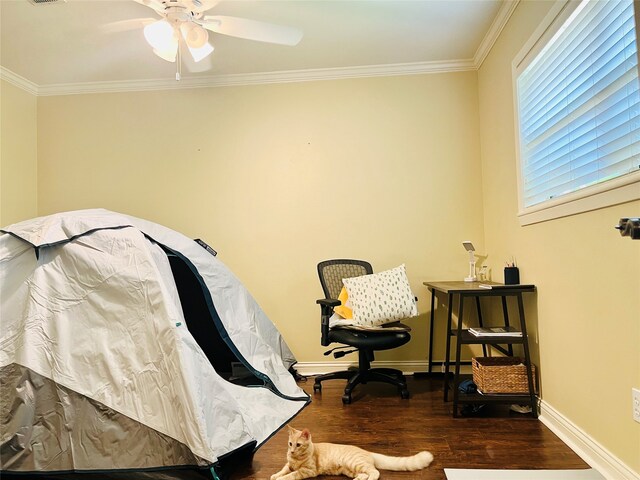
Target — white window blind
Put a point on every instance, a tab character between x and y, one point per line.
579	104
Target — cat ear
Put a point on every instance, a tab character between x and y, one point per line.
305	434
290	428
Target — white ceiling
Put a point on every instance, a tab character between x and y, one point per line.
65	42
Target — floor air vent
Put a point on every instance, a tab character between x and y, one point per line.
40	2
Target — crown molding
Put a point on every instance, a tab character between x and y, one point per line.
250	78
18	81
502	17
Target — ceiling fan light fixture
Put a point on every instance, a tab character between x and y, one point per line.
194	35
201	52
168	54
160	35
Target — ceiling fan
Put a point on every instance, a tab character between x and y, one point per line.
184	23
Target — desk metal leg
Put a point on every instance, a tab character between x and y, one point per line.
479	310
527	357
433	303
505	313
456	376
448	348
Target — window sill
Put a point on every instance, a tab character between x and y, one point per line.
620	190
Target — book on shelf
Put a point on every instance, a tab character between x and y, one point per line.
498	286
495	332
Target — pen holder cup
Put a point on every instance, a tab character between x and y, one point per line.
511	276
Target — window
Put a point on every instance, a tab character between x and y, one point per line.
578	110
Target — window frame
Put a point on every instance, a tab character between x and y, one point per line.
618	190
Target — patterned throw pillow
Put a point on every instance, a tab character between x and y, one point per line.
381	297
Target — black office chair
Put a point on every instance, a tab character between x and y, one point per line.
331	273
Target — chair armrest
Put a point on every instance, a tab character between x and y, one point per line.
328	302
326	307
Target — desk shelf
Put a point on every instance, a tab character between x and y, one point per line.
464	337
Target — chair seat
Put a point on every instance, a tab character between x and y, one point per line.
369	340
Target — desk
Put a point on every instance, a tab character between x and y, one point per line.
473	290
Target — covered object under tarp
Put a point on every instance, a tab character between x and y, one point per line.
119	340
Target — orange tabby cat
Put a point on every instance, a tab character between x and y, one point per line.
306	459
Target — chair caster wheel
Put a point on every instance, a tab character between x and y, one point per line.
404	394
317	387
346	399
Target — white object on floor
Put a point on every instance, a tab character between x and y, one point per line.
521	408
478	474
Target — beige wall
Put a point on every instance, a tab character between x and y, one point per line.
279	177
586	320
18	154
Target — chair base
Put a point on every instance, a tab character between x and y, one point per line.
356	377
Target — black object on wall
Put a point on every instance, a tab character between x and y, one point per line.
629	227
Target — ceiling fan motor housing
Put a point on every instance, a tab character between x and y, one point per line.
192	7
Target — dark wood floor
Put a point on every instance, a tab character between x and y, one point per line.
379	420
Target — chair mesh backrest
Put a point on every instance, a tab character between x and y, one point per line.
331	273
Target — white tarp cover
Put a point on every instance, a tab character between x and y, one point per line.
91	319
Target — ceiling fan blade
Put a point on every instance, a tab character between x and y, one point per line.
155	4
252	29
126	25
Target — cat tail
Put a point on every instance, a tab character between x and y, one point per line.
398	464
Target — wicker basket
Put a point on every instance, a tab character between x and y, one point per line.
501	375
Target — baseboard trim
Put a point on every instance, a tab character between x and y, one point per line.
586	447
408	367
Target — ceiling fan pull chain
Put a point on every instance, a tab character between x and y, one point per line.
179	65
